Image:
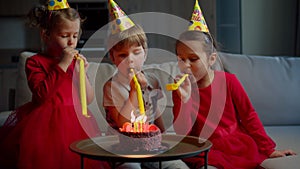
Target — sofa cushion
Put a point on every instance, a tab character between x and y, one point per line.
289	162
3	116
98	75
272	84
286	137
273	76
23	93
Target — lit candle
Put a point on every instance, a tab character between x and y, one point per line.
135	127
82	86
141	126
139	94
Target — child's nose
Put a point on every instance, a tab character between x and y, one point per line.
187	63
130	58
72	41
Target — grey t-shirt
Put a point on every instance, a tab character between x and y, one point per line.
116	92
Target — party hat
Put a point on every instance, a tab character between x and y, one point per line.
57	5
119	20
197	21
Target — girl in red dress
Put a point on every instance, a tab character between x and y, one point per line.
213	105
38	134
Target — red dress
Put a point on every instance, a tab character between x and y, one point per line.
227	118
38	134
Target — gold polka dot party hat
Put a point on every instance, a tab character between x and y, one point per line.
197	21
57	5
119	21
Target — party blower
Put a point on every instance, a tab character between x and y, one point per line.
174	86
139	93
82	86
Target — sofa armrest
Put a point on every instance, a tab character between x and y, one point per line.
3	116
23	93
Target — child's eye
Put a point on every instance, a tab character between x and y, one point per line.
137	52
122	55
193	59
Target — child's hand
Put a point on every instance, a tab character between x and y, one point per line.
86	63
142	79
67	57
184	90
282	153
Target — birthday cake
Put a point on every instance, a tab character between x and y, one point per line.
147	138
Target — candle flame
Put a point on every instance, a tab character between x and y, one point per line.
132	117
138	124
141	118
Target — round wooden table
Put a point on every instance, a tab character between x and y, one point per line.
177	147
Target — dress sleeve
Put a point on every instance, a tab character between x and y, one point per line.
43	82
184	115
248	117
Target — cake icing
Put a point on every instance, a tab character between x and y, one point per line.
147	139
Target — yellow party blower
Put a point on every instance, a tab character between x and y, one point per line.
82	86
174	86
139	94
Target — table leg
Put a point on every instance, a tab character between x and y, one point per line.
205	159
82	162
159	165
113	164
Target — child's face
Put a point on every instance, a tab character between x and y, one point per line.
129	57
192	59
65	34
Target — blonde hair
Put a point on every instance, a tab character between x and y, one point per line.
129	37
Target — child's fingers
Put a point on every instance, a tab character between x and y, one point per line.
86	63
289	152
141	79
179	78
70	52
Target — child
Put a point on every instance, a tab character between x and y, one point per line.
119	92
213	105
38	134
120	96
127	49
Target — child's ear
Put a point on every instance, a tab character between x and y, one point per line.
44	34
212	59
